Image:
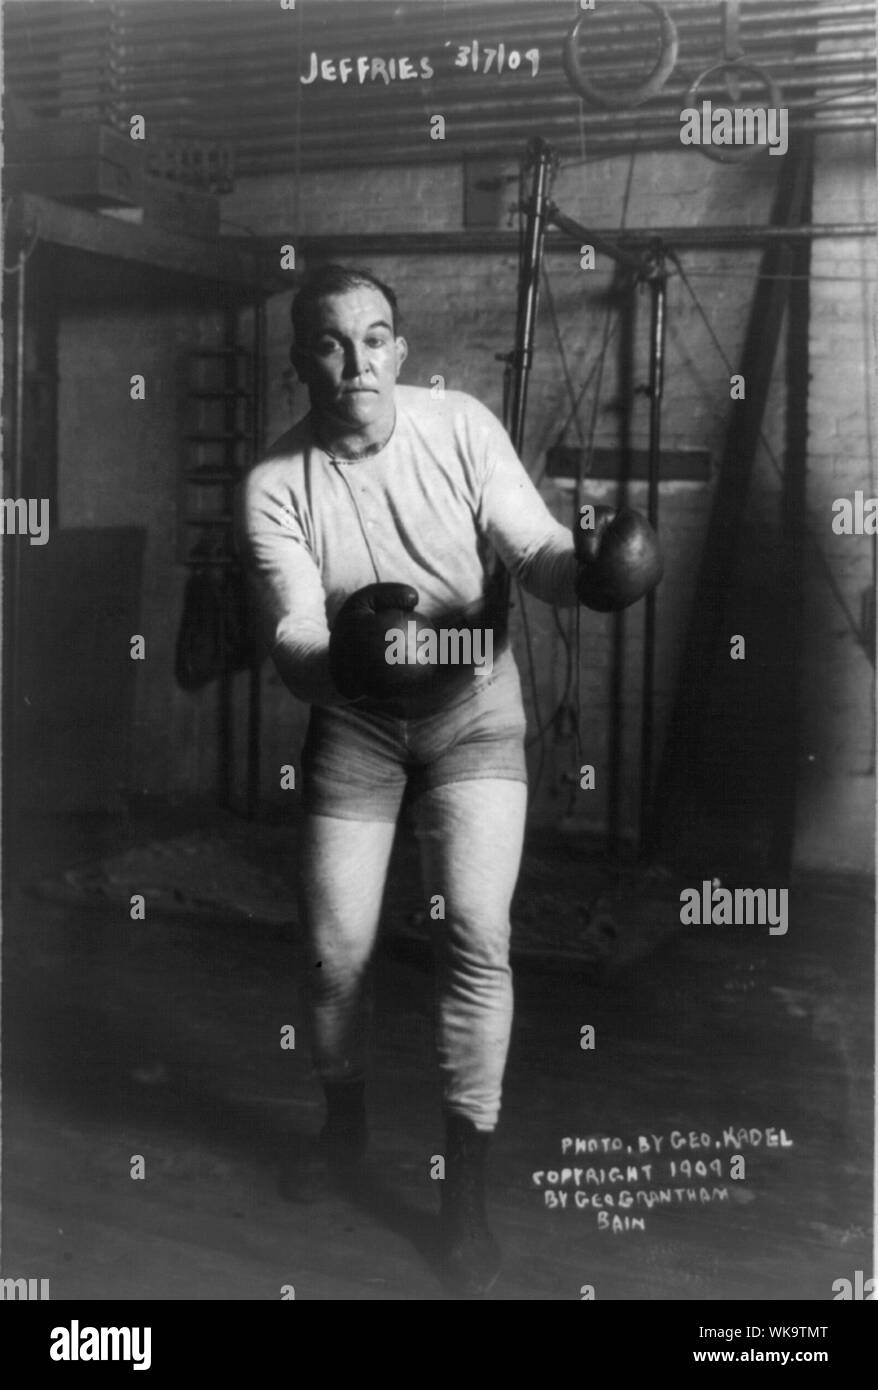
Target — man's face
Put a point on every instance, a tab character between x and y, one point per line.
353	358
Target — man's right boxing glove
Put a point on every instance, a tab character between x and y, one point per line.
364	655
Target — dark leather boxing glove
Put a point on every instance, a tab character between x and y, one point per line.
619	559
364	654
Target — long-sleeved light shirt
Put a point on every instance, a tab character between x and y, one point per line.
434	508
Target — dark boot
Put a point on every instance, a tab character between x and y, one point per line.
317	1167
470	1256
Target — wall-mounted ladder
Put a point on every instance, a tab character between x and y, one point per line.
222	439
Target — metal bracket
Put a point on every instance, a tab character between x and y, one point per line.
733	52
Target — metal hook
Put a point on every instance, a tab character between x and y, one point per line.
651	85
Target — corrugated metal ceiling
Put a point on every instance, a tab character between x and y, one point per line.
230	71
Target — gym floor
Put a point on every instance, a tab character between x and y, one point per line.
160	1038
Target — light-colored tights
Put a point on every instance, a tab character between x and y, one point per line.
470	835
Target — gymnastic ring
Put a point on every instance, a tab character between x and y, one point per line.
650	87
741	153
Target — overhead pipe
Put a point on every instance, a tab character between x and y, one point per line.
662	128
488	129
281	165
326	128
279	154
327	141
495	242
841	94
325	133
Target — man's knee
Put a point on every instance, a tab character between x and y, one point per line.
478	945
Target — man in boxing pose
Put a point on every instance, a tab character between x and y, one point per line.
375	536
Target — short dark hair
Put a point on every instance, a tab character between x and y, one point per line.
332	279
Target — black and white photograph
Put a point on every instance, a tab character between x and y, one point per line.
439	562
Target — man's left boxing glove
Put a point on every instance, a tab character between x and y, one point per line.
619	560
359	645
